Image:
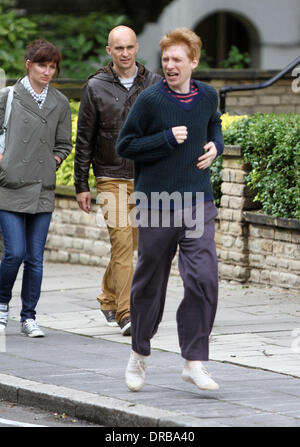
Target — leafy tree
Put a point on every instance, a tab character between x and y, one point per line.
81	40
15	33
139	12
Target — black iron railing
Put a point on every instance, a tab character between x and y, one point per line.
236	88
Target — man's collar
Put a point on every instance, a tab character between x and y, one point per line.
140	74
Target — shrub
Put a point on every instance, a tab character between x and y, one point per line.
65	174
236	59
81	39
15	33
227	120
216	167
271	145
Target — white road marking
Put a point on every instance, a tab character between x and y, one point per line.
18	424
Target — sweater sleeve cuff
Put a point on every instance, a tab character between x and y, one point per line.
170	137
219	147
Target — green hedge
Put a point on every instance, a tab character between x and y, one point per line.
271	145
80	38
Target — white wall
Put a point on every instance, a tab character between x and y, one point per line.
276	23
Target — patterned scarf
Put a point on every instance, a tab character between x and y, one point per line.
39	98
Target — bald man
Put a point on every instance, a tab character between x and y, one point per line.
106	100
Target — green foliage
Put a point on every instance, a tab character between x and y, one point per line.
141	13
236	59
81	39
216	167
271	145
205	61
15	33
65	174
216	179
7	4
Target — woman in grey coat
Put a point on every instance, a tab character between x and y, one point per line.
38	138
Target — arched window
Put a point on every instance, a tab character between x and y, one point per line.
221	30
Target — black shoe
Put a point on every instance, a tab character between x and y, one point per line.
110	316
125	326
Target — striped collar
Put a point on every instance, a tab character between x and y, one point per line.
186	101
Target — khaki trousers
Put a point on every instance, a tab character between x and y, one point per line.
116	282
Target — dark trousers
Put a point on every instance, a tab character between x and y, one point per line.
157	247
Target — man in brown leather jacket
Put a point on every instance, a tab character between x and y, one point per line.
105	103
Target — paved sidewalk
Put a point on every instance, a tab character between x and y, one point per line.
78	368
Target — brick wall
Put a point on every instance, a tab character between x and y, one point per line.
274	251
253	247
278	98
74	236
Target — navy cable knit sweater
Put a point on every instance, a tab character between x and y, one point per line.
162	166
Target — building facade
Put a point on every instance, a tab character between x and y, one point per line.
269	30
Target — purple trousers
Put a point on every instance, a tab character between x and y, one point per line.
198	268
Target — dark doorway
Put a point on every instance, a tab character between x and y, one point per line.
219	32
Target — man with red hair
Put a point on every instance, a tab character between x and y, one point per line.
173	134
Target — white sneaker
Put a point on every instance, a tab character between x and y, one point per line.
135	371
194	372
31	329
3	316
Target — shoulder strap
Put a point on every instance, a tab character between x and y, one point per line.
8	105
6	117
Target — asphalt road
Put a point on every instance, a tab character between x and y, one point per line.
15	415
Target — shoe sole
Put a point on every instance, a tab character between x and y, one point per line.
126	329
208	387
32	336
112	324
134	388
